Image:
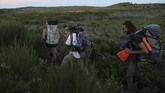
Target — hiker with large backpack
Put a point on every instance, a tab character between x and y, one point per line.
141	49
79	43
150	36
133	48
50	36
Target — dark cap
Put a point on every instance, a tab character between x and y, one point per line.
52	22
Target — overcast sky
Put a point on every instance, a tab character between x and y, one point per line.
52	3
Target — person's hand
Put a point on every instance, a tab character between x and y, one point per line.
129	51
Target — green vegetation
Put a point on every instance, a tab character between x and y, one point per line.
24	57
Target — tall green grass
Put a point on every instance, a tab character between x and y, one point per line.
18	67
69	79
12	32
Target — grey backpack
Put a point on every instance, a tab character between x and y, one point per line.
152	33
52	33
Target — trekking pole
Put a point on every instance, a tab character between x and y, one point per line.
98	51
163	51
95	49
92	45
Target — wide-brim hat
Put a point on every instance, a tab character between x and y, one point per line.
71	24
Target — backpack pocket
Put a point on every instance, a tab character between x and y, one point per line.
79	44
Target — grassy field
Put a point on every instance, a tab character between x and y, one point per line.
23	55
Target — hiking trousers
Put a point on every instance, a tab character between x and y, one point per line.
131	72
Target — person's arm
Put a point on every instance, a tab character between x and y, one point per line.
143	50
58	34
44	34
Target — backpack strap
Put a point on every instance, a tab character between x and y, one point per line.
131	40
71	39
71	42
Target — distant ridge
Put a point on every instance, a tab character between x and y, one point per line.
60	9
134	5
32	9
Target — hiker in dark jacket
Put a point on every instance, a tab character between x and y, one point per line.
134	48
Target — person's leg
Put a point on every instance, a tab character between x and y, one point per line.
131	71
143	68
54	55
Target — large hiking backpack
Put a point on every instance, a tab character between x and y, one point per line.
52	33
152	33
84	43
